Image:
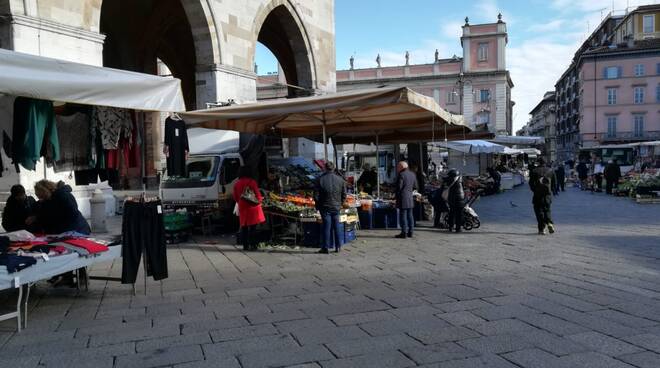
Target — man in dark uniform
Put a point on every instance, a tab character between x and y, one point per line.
406	183
540	182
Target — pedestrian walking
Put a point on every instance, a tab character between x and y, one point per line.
250	214
560	173
612	175
406	184
583	173
455	197
540	182
329	196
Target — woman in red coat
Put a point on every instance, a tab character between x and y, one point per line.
249	215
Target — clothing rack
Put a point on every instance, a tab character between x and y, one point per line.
143	198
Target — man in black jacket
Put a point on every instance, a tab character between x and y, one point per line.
18	208
406	183
453	183
329	196
540	182
612	174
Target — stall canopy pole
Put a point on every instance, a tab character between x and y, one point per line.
325	140
377	168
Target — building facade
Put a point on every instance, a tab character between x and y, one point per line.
542	124
476	84
611	92
208	44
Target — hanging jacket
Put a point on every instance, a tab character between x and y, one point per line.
34	131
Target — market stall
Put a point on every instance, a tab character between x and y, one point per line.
364	116
26	259
105	103
378	115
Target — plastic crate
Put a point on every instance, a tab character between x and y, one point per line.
349	236
392	218
366	219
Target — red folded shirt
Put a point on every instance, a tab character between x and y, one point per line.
90	246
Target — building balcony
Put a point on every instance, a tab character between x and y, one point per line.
629	136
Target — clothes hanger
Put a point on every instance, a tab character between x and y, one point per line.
175	116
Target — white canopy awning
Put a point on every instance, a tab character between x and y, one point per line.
647	143
394	113
474	146
519	140
57	80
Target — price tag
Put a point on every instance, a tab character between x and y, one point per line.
17	282
176	132
159	209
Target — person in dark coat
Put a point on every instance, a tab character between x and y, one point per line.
368	180
612	174
583	173
540	182
57	210
18	208
439	207
453	184
329	196
560	173
497	180
406	184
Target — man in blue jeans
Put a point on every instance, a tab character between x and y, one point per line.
406	184
329	196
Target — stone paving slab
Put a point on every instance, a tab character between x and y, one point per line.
500	296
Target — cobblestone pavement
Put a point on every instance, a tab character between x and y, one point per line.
501	296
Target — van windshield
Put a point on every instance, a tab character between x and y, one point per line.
202	172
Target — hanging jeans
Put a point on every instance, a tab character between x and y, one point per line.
330	228
407	221
142	227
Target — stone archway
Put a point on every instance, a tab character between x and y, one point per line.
180	33
278	27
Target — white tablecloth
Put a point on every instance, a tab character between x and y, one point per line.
43	270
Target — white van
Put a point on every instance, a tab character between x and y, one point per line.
209	184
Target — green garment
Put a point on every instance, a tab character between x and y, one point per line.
41	133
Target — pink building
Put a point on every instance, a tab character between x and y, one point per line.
476	85
611	92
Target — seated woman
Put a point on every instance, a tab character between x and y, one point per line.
57	210
18	208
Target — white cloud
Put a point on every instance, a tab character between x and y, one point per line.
452	30
419	54
535	66
547	27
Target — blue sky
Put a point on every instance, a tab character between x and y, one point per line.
543	35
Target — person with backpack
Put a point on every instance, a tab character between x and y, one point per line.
454	195
250	214
540	182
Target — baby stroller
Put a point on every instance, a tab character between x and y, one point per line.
470	216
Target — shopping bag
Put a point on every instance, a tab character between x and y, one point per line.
249	196
236	209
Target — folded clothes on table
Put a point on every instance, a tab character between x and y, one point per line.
90	246
16	263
